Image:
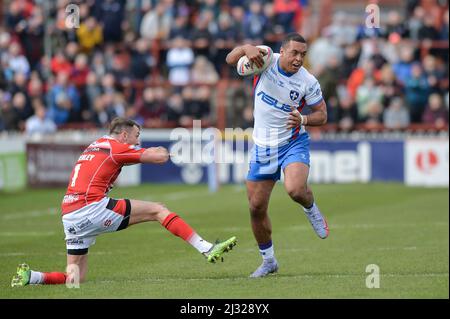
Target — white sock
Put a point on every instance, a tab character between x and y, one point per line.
309	210
36	277
199	243
266	252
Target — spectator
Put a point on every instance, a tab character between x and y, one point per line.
203	71
19	104
428	30
367	94
396	25
196	105
9	116
374	115
150	108
89	35
39	123
17	61
120	68
32	36
175	107
201	37
93	90
141	61
350	60
60	64
285	11
223	41
435	76
110	13
396	116
35	89
156	23
180	28
98	65
341	32
347	113
416	92
444	28
189	106
323	49
20	86
254	22
238	16
329	82
359	75
435	112
71	51
15	17
80	71
272	30
180	57
415	22
100	114
389	85
64	101
108	83
402	69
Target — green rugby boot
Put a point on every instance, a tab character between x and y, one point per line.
219	249
22	277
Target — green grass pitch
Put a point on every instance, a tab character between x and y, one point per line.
402	230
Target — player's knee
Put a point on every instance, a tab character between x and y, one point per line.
298	194
257	209
161	212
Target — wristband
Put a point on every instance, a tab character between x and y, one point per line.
303	120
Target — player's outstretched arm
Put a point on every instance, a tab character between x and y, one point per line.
155	155
252	52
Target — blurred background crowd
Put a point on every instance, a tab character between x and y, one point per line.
162	63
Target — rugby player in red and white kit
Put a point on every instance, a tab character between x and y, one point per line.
87	211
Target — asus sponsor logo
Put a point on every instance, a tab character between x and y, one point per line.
273	102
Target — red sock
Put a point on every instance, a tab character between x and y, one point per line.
54	278
177	226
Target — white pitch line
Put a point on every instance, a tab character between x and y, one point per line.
365	226
61	253
30	214
408	248
175	196
19	234
288	277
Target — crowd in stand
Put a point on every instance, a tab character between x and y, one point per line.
159	62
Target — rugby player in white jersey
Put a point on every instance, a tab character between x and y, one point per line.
281	91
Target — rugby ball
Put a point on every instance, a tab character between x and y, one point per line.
245	67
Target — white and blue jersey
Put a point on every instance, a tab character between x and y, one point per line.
275	91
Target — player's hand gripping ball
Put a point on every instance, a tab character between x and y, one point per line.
245	67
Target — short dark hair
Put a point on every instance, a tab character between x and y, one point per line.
119	124
292	37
